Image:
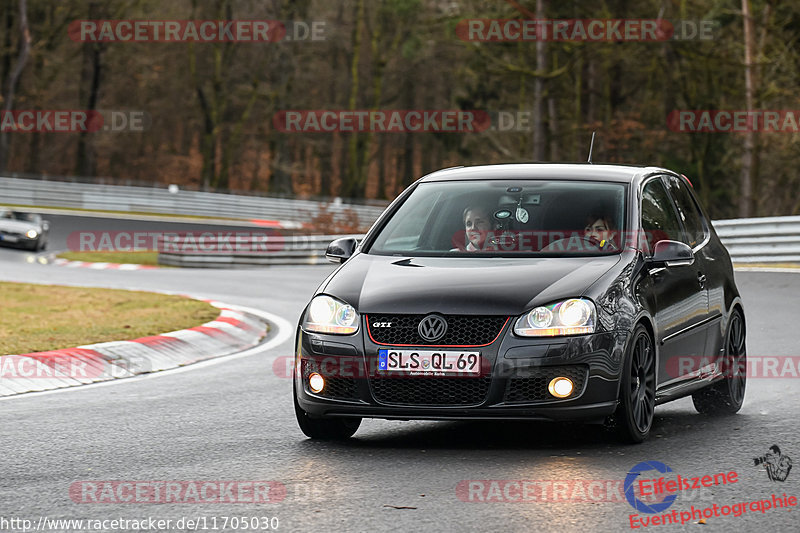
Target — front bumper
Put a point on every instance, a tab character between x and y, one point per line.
17	239
512	385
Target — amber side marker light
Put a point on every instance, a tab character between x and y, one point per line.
316	382
561	387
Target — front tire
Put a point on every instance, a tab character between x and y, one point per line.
726	396
637	394
325	428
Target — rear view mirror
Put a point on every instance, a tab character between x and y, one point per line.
340	250
671	254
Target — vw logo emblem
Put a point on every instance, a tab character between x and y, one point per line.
432	328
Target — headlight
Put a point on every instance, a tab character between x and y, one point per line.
32	233
570	317
328	315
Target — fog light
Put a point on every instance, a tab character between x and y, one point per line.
560	387
316	382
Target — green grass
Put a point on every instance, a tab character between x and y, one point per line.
36	318
767	265
139	258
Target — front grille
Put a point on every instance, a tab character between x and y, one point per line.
430	390
533	387
336	387
462	330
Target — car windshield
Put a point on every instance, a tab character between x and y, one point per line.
16	215
504	218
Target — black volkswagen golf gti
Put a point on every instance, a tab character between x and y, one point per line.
526	291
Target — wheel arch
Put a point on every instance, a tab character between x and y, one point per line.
646	321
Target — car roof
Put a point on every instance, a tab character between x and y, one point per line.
562	171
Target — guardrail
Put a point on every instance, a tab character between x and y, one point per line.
761	240
33	192
267	249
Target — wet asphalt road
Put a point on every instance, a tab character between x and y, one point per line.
234	421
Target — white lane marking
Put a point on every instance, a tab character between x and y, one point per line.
285	331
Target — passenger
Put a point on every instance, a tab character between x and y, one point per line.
601	231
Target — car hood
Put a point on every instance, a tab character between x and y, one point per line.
492	286
17	226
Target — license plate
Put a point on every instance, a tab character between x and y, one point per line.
435	362
9	238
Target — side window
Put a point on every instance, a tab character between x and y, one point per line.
688	211
414	219
659	220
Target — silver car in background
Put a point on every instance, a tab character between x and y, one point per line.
25	230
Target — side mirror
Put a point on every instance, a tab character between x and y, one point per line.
671	254
340	250
45	225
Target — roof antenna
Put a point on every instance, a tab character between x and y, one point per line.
590	149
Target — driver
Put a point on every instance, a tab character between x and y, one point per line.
601	231
477	224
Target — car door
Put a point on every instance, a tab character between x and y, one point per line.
698	233
679	293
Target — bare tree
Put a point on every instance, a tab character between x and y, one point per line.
539	142
13	79
746	178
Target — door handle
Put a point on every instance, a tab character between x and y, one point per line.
701	279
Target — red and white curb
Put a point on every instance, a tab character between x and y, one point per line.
101	266
233	331
279	224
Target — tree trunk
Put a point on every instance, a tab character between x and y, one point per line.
13	79
353	185
746	178
380	194
86	164
552	123
578	110
539	141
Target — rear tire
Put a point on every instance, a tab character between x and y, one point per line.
325	428
637	393
726	396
